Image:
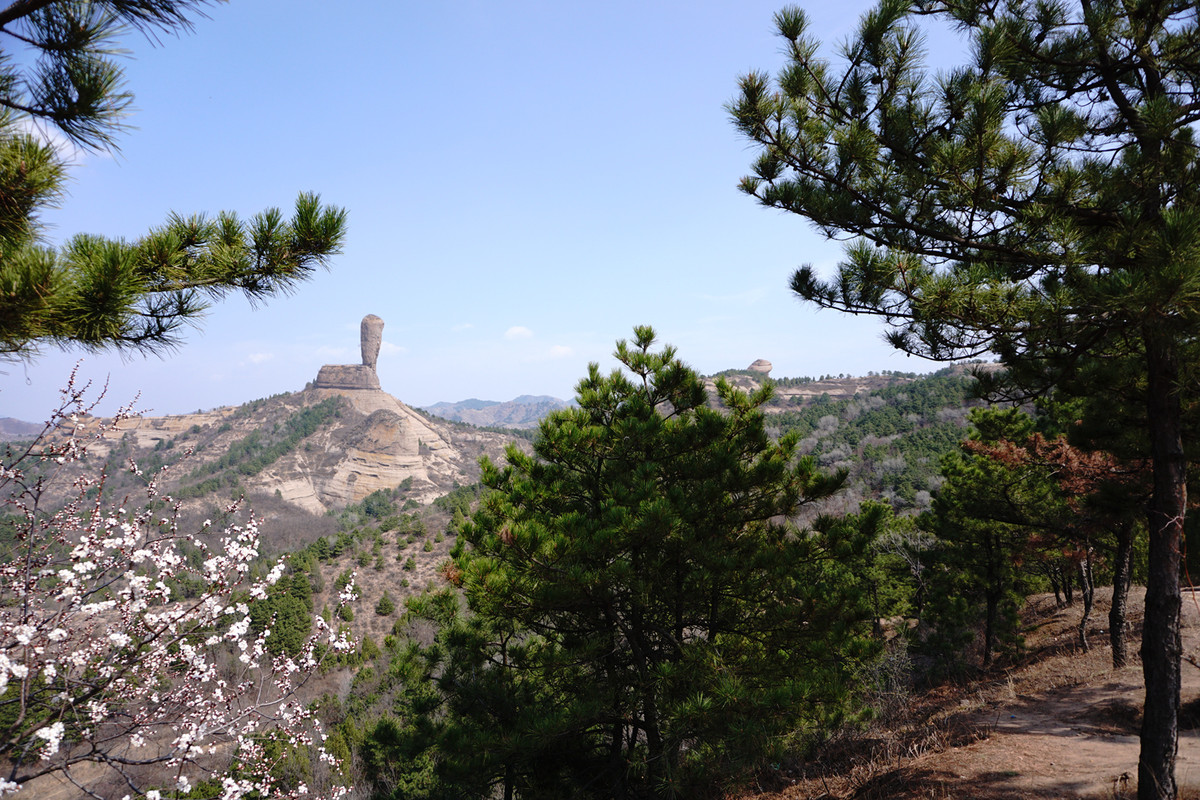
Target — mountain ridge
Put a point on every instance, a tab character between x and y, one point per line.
317	449
521	413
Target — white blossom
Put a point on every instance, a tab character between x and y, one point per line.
53	735
93	583
23	634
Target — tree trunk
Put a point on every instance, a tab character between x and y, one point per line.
656	767
1087	587
616	759
989	626
1052	574
1122	567
1161	645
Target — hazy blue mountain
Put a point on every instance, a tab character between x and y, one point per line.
520	412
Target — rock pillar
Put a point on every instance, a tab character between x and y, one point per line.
372	338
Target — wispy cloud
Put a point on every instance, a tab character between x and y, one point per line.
561	351
462	326
259	358
518	332
389	349
48	134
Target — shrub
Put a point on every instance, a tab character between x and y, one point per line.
386	606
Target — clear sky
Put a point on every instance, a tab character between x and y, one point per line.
525	182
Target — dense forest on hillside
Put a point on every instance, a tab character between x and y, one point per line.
891	439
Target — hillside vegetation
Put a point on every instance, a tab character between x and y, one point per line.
891	434
434	711
878	553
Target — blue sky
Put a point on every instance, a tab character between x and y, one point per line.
525	182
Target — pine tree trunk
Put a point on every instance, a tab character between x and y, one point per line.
989	626
1161	645
1122	568
656	768
1087	588
1052	574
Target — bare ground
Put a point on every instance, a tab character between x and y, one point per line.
1062	723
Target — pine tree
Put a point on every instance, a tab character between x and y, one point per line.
386	605
98	293
654	591
1090	501
1039	203
987	517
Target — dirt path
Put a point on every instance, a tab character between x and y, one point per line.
1060	726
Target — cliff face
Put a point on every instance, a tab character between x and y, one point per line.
377	443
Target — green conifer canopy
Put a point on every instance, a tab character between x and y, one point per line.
58	72
1040	202
644	567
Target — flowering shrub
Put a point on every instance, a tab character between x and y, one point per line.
100	664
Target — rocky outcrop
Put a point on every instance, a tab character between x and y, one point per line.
373	441
356	376
157	431
761	365
360	453
379	443
347	376
371	339
390	444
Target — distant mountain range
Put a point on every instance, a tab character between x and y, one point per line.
520	412
11	429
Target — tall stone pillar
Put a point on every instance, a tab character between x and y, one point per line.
356	376
372	338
